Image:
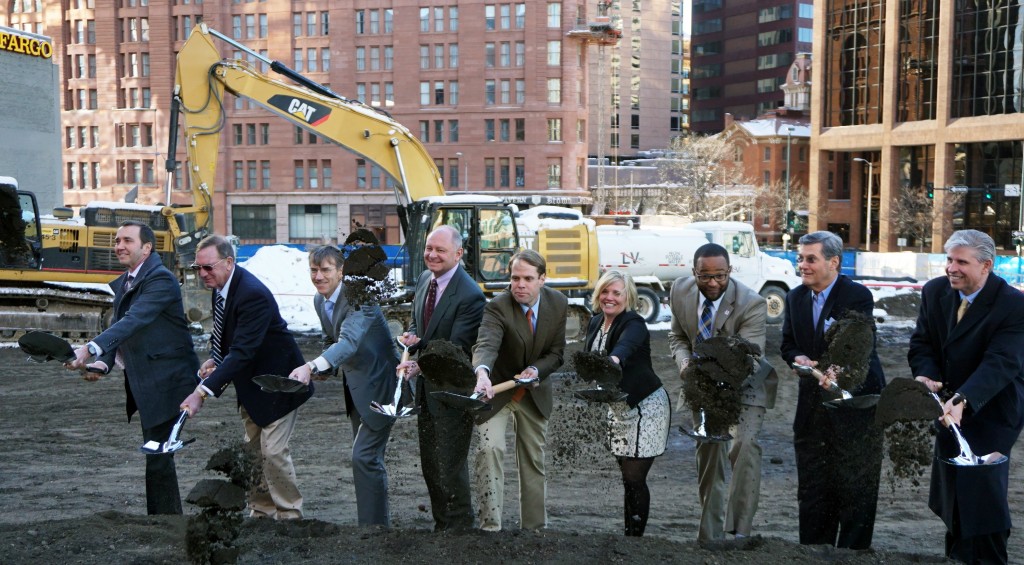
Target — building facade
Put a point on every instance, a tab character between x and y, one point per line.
30	130
917	101
740	50
496	91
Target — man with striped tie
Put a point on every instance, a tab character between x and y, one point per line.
706	305
251	338
150	340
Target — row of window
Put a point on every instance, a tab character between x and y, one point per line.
308	61
369	21
82	137
310	24
83	176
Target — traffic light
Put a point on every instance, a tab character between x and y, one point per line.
790	220
930	190
988	194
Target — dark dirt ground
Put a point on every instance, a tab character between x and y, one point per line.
71	479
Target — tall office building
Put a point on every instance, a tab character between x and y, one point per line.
496	91
741	50
917	99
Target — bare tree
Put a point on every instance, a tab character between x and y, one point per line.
912	214
701	181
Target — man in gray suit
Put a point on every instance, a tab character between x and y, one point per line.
150	340
711	301
453	313
361	347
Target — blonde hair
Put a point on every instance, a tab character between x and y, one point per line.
608	278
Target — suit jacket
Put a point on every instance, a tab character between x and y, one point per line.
456	317
364	351
742	312
801	337
630	341
151	333
982	357
255	341
507	346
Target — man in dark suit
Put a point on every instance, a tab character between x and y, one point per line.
522	335
362	349
969	340
150	340
838	453
733	309
252	340
444	432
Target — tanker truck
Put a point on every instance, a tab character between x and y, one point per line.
655	257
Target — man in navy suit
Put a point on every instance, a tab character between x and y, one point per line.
362	349
150	340
969	340
254	340
838	453
445	432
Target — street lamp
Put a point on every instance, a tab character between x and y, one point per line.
789	202
871	180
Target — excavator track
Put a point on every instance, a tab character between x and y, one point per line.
75	315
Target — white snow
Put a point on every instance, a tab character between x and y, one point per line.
285	271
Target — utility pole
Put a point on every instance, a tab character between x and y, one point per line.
789	201
871	180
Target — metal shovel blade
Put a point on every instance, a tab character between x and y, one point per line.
173	442
600	395
701	434
42	346
806	371
457	401
393	410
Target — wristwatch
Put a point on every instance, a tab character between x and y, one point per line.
92	349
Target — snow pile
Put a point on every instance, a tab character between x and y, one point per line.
285	271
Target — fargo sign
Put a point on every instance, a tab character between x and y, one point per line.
26	45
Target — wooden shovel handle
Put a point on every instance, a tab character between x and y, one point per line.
507	385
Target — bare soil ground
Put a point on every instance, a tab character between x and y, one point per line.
71	479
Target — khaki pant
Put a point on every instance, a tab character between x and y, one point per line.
277	496
530	428
730	508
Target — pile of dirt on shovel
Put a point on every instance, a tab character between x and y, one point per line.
851	340
712	380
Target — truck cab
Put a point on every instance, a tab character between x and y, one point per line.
20	238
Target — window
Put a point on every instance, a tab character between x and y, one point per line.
453	18
265	174
765	15
520	53
504	129
806	11
488	130
520	16
389	57
374	21
254	223
453	56
489	173
313	222
554	53
439	93
489	92
506	16
439	56
520	171
361	22
360	58
554	173
425	131
554	129
520	129
374	58
453	130
554	15
554	90
424	20
489	55
505	55
424	93
300	174
489	17
520	91
504	173
767	153
424	56
438	131
505	96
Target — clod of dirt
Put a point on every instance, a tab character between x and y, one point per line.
851	340
905	400
210	535
217	493
446	366
362	236
366	276
908	445
712	380
597	367
241	464
578	431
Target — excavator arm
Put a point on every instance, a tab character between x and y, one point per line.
202	77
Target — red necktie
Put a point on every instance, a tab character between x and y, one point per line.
428	306
521	392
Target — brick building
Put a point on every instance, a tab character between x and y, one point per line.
497	91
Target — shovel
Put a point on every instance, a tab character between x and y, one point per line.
701	434
967	458
393	410
173	443
277	383
42	347
807	371
473	403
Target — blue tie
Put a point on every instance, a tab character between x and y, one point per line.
329	311
707	317
816	305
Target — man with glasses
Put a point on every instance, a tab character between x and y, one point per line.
838	451
150	340
706	305
250	338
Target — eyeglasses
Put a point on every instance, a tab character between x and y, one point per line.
205	268
721	278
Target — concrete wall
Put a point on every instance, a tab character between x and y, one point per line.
30	130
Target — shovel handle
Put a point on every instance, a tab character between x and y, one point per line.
511	384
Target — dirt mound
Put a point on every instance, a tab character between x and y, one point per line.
905	305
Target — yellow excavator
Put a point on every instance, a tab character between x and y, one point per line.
487	223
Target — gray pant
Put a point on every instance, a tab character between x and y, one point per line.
730	508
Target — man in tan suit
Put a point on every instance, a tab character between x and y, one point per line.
706	305
522	335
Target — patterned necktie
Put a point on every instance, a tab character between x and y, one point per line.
218	328
964	305
129	282
529	320
707	317
428	306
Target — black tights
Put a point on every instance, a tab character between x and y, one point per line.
637	497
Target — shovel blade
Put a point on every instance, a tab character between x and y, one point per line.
460	402
706	438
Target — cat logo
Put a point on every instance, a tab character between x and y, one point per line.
308	111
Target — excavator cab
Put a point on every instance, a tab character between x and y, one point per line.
20	239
